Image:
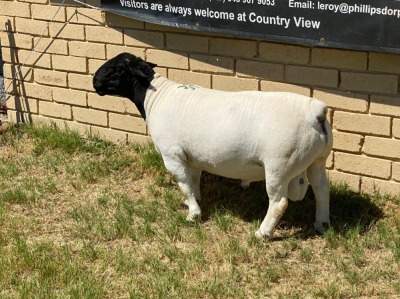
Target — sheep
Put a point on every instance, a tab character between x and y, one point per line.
280	137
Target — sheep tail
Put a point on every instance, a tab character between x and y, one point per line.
319	111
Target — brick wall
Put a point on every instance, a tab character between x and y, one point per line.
360	88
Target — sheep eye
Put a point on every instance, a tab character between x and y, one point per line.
120	69
114	76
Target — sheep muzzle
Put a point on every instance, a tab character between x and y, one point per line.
98	86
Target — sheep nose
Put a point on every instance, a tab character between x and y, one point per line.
98	87
95	82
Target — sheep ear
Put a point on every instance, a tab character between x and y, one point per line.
139	73
141	77
152	65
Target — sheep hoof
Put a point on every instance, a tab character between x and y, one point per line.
193	217
321	228
261	236
245	184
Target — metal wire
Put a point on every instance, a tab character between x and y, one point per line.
19	69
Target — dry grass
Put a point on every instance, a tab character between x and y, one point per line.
89	219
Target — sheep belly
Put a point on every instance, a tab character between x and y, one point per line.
235	169
253	171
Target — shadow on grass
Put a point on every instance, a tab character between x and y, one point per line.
348	209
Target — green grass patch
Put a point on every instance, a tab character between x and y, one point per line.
85	218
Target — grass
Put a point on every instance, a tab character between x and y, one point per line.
84	218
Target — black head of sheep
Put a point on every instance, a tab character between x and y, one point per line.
127	76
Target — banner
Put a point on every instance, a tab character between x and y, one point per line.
355	24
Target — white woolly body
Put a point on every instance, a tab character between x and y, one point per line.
235	134
247	135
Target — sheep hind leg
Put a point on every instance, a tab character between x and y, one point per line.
319	182
278	202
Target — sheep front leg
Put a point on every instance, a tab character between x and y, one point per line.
319	182
278	202
192	192
189	182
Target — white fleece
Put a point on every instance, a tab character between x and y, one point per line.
249	135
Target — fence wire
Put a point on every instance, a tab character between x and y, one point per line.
3	113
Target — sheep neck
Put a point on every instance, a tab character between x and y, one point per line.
138	97
159	86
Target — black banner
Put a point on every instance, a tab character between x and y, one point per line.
354	24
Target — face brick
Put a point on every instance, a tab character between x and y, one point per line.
360	88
